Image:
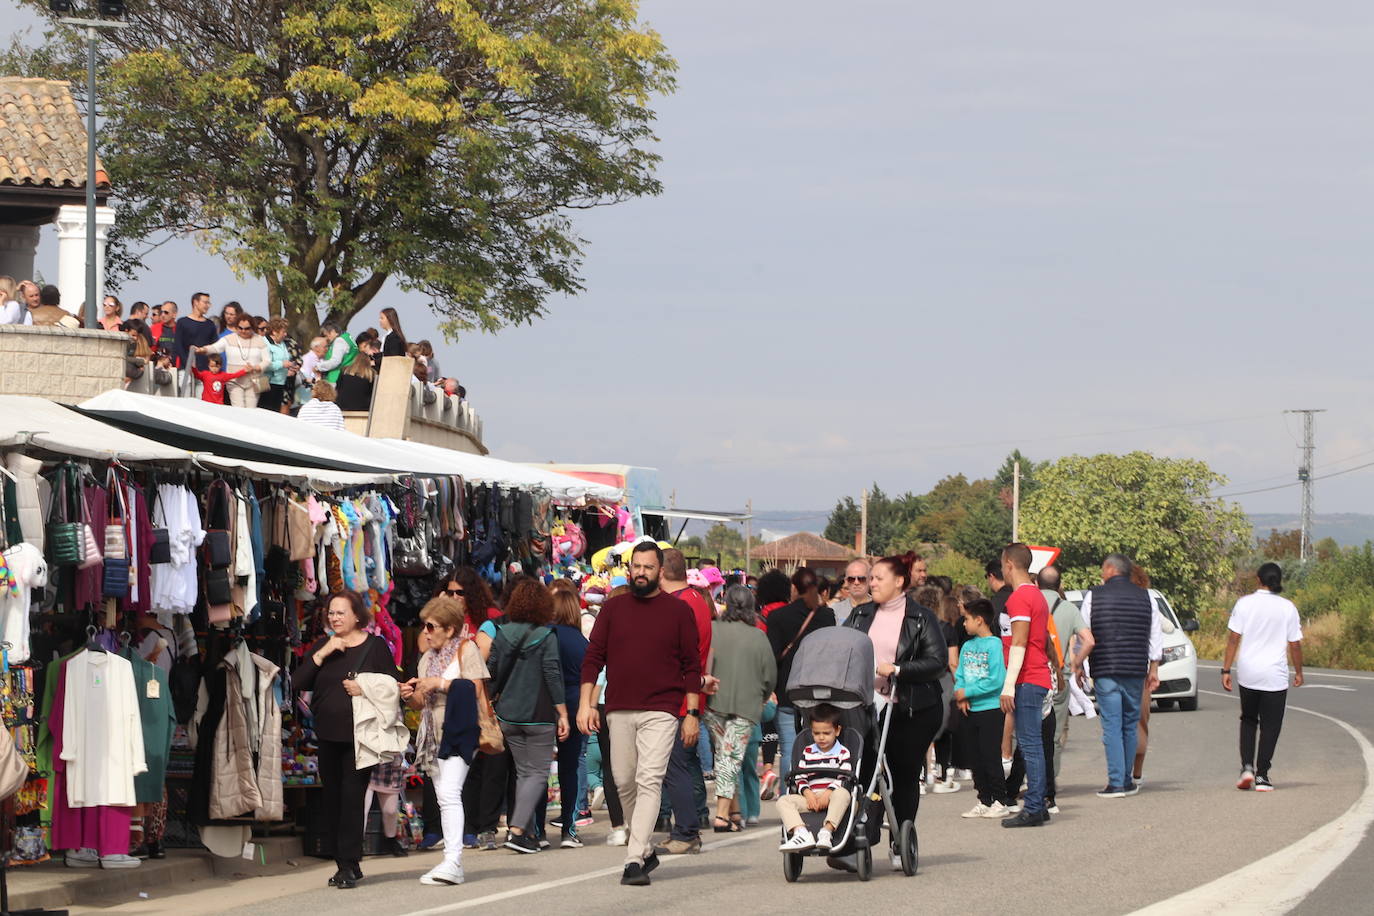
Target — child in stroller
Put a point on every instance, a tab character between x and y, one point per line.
824	763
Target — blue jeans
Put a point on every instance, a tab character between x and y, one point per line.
748	794
1029	701
787	736
1118	701
705	751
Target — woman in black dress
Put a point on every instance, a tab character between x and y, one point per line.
393	340
328	671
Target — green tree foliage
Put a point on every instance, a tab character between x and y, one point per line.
327	146
963	569
888	521
1159	511
984	530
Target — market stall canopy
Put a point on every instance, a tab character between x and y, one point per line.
255	435
317	478
494	471
43	424
640	485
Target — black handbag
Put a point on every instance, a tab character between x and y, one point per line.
217	549
114	582
161	551
218	589
219	544
277	564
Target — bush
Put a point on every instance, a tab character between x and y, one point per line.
963	570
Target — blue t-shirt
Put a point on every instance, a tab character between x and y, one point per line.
981	673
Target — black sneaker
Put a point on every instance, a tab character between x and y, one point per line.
155	851
571	840
635	875
650	862
1132	788
1026	819
524	843
1262	784
1112	792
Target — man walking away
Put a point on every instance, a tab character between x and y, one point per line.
684	778
1028	678
647	642
1122	618
1265	633
855	590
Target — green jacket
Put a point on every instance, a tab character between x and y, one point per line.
350	354
524	665
743	660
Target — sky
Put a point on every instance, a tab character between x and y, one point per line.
898	240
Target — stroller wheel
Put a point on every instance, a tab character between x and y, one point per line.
792	866
908	848
863	859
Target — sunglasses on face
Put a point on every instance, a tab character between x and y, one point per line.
454	592
430	626
852	579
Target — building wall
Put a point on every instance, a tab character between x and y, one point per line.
67	366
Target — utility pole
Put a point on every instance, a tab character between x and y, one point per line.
1016	500
1305	477
748	537
863	523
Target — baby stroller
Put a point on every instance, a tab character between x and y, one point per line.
834	665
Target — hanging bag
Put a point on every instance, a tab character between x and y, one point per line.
218	547
67	544
116	533
91	548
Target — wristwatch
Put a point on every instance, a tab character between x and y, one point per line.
694	713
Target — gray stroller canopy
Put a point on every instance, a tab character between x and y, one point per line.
832	665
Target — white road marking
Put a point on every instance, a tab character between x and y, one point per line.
1309	674
1279	882
586	876
1329	687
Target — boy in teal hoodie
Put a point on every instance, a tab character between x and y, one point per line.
977	690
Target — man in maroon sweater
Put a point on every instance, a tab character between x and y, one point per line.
647	642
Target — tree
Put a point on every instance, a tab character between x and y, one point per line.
721	539
888	520
984	530
328	146
1159	511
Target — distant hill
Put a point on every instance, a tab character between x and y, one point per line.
1349	529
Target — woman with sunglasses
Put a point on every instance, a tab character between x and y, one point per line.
328	670
449	655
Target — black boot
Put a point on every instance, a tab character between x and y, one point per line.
395	847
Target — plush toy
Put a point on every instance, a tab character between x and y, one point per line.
569	543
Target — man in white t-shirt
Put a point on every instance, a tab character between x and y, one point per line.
1265	633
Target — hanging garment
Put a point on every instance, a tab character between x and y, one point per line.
31	496
159	721
102	734
140	548
29	571
103	828
236	732
258	549
174	585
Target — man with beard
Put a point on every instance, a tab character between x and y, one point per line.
647	642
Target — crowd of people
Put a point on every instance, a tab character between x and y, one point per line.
614	694
237	358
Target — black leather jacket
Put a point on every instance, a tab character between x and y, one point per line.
922	658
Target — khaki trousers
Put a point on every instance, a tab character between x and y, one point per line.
641	743
790	808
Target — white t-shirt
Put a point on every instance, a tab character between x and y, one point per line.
1267	623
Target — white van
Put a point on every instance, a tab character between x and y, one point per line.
1178	668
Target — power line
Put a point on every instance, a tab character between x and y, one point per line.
1285	486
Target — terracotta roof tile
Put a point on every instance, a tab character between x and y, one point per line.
803	546
42	135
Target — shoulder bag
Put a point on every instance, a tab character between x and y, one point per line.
67	544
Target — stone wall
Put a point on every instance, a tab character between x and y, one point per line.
67	366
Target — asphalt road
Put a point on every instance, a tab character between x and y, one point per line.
1188	828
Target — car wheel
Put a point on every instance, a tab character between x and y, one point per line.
1164	704
1188	704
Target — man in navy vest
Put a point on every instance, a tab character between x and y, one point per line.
1121	617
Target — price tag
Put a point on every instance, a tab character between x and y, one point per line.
154	688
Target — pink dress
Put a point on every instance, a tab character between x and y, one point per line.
104	828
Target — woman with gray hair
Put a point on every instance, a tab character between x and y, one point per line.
743	660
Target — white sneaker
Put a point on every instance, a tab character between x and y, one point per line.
824	840
1014	809
801	840
119	861
978	810
1052	809
923	787
1006	767
965	775
944	788
598	799
619	836
997	810
443	874
896	859
82	858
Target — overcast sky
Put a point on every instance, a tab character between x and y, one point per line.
899	239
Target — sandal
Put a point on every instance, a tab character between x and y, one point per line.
721	825
736	823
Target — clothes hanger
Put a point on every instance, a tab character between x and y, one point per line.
91	644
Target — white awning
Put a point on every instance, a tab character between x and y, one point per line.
494	471
317	478
698	514
47	425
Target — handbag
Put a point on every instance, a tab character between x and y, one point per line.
91	547
218	588
161	551
114	581
491	739
262	383
219	543
410	555
66	542
116	538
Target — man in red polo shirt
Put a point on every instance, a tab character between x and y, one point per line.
647	642
1028	678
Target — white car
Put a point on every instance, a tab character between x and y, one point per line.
1178	668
